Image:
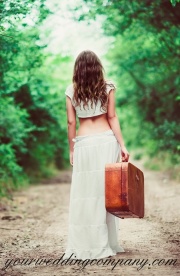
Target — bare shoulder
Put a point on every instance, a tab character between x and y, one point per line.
110	86
69	91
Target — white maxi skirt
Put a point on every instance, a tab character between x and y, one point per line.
92	231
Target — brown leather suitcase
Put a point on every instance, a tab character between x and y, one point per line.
124	190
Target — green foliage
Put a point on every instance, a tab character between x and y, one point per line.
33	130
144	64
11	174
14	124
174	2
145	58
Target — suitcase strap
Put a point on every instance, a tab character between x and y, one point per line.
123	186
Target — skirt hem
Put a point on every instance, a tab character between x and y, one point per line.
93	253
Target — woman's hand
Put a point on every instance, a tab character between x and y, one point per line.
71	157
125	154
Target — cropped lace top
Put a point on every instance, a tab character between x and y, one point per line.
88	111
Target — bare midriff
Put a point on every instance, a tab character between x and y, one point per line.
93	125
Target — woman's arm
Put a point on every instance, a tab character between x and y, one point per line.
71	123
115	125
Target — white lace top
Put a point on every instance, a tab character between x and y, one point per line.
88	111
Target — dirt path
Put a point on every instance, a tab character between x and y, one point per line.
34	226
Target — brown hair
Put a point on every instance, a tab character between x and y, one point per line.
88	80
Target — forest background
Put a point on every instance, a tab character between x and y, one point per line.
141	55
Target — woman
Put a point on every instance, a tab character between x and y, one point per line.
93	232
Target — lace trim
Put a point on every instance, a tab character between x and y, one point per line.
94	145
87	225
88	197
95	248
101	170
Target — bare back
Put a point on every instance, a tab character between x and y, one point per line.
92	125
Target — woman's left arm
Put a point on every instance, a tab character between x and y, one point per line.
71	122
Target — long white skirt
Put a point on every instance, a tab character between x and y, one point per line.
92	232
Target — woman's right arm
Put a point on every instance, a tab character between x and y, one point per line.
115	125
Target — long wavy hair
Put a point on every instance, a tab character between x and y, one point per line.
88	80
